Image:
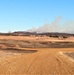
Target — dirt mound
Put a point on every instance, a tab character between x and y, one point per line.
16	50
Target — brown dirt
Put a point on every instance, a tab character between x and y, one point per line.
44	61
33	38
47	61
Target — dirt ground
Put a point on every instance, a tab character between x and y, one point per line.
38	38
46	61
36	61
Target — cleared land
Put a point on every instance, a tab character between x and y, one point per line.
30	61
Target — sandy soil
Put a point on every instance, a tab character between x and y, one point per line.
34	61
46	61
33	38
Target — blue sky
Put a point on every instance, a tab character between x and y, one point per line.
17	15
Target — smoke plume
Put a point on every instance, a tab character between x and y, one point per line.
56	26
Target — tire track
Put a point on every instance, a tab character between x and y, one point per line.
31	64
44	62
64	65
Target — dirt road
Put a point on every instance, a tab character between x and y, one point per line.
46	61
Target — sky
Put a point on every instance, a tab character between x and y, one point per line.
21	15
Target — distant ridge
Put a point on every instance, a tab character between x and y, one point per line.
24	33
